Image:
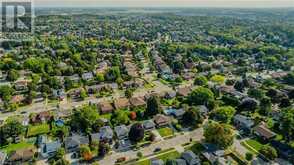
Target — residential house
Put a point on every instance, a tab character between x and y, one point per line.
157	162
21	85
95	137
25	121
180	162
49	149
188	76
148	125
189	65
191	158
121	103
161	120
137	102
41	139
213	154
263	132
74	142
22	155
106	134
121	132
177	113
3	157
41	117
87	76
58	93
74	78
203	110
17	99
284	150
75	93
170	94
184	91
95	88
243	122
113	86
105	107
102	67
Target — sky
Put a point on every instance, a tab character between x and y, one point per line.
166	3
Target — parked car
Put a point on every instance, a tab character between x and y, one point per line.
121	159
157	149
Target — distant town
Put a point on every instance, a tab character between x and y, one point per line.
150	87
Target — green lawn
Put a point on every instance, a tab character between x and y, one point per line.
13	147
144	162
254	144
167	102
38	129
169	154
249	144
106	116
164	132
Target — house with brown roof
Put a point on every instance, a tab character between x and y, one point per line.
17	99
21	85
263	132
137	102
22	155
161	120
184	91
105	107
121	103
41	117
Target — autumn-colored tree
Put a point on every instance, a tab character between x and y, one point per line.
133	115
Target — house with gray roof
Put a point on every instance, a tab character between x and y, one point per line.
3	157
148	125
95	137
157	162
191	158
49	149
121	132
203	110
178	113
87	76
243	122
73	143
106	133
180	162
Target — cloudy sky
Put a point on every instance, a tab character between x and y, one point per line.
165	3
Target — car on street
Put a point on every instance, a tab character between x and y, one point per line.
157	149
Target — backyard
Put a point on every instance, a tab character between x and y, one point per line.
13	147
252	145
38	129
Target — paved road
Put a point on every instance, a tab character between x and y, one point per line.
68	104
196	135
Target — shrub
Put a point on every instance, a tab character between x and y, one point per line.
249	156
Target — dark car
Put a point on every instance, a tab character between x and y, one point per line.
157	149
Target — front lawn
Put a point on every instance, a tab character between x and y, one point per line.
38	130
164	155
169	155
13	147
252	144
165	132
